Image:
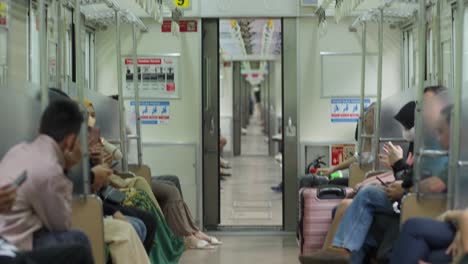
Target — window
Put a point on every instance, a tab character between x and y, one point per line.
409	65
89	62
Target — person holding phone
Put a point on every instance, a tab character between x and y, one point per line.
45	198
9	254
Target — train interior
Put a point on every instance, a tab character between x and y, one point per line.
249	131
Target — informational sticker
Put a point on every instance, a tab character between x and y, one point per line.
153	112
184	26
346	110
3	13
340	153
166	26
183	4
157	77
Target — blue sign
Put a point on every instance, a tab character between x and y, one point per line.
153	112
346	110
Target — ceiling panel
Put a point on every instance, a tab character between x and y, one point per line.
252	31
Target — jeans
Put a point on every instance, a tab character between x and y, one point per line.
44	238
423	239
354	227
139	227
360	256
70	254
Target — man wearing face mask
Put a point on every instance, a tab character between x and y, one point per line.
42	212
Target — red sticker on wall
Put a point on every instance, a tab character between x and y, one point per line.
170	87
166	26
188	26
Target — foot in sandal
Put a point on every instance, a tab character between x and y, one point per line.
192	242
212	240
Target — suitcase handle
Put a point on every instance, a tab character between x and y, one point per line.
331	190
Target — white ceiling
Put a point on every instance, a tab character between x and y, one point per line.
231	46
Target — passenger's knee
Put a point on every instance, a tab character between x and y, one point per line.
78	236
371	192
411	226
173	192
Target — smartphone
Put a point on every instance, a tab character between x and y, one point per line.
114	164
20	180
383	183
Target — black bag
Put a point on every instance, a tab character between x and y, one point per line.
340	181
112	195
331	192
312	180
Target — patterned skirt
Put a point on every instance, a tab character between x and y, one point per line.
167	248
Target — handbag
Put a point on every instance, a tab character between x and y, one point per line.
112	195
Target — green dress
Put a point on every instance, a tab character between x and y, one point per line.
167	248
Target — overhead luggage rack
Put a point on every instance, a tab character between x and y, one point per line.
103	12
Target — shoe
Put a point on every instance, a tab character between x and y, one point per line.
199	244
214	241
224	163
224	172
278	188
279	158
244	131
331	255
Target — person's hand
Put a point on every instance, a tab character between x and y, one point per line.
119	216
96	154
7	198
325	171
432	185
454	248
410	159
385	161
395	191
101	177
394	153
443	217
107	159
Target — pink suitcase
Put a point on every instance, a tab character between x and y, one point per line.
315	214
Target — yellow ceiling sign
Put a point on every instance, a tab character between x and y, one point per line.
182	3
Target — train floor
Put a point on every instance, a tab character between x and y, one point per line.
246	195
271	249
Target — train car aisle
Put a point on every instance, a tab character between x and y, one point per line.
246	196
271	249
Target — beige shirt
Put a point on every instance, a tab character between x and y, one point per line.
45	198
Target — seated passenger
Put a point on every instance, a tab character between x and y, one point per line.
434	241
366	156
143	222
434	165
9	254
353	230
41	214
176	214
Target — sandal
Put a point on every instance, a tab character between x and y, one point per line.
214	241
199	244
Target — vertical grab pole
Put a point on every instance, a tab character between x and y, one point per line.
123	131
454	179
438	46
43	78
363	87
137	96
60	39
419	138
376	137
79	88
